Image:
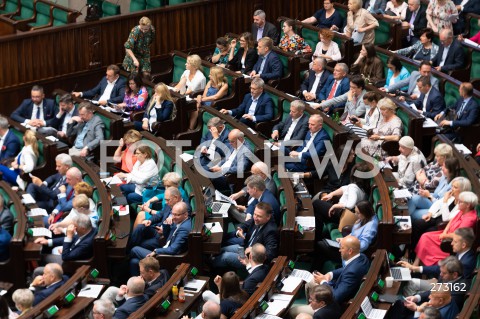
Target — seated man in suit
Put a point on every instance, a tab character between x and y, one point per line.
103	308
9	142
58	125
36	111
259	229
294	127
214	142
45	192
345	281
258	169
317	77
430	102
450	56
76	245
416	21
44	285
176	236
322	303
262	28
465	112
336	85
313	145
88	130
130	297
257	191
425	69
464	7
257	270
110	89
257	106
268	66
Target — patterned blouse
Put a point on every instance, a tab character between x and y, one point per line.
137	101
139	42
294	44
441	14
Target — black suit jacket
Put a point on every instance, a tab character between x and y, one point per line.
57	123
435	103
151	289
331	311
250	60
48	190
77	251
267	236
269	30
257	276
468	262
455	58
299	132
308	82
129	306
420	21
472	6
118	92
24	111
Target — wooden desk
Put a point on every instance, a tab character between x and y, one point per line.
214	242
79	309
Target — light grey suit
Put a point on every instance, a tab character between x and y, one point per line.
95	132
411	81
358	109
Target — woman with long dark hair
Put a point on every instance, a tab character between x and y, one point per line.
368	64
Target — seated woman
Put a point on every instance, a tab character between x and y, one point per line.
326	48
24	162
360	23
423	50
429	177
368	64
428	248
230	296
292	42
442	209
365	229
192	79
396	10
354	105
125	156
359	125
396	72
341	213
389	129
156	203
136	95
161	108
216	89
23	300
244	60
326	18
220	55
81	205
409	162
144	169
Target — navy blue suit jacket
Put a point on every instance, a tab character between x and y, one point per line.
347	280
469	115
331	311
308	82
163	114
273	68
47	190
57	123
257	276
468	262
318	144
435	103
118	92
344	87
299	132
11	146
129	306
263	111
65	204
267	197
178	240
81	251
42	292
222	140
24	111
158	283
455	58
268	236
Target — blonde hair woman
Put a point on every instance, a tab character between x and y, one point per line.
216	88
361	21
192	78
137	47
120	156
160	109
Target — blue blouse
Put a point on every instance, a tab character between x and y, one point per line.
402	76
324	23
366	233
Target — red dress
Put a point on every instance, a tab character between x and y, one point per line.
428	248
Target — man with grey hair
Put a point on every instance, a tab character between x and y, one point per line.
336	85
450	56
211	310
257	106
261	169
130	297
103	309
294	127
9	142
257	271
416	21
44	285
317	77
45	192
262	28
268	66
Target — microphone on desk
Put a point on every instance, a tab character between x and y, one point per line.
208	231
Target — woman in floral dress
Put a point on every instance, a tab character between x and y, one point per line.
440	14
292	42
137	47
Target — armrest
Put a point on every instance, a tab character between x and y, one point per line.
137	116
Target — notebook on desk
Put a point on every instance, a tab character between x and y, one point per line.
371	312
398	273
219	209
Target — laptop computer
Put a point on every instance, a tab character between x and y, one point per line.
219	209
399	273
371	312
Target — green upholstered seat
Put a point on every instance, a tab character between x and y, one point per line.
310	37
110	9
384	59
451	94
11	6
27	10
178	67
174	2
405	120
382	33
475	68
106	122
474	27
43	17
137	5
152	4
60	17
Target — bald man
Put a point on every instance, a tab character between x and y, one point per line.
130	297
44	285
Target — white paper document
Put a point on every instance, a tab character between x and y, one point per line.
112	180
90	291
280	302
37	212
195	285
404	222
383	165
463	149
252	131
401	193
2	292
267	316
291	283
429	123
52	138
215	229
186	157
41	231
28	199
307	222
305	275
470	42
122	210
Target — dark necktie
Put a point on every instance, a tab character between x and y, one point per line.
37	116
255	232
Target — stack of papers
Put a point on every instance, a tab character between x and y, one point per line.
401	193
28	199
291	283
186	157
37	212
307	222
195	285
41	232
112	180
303	274
90	291
429	123
52	138
277	303
463	149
